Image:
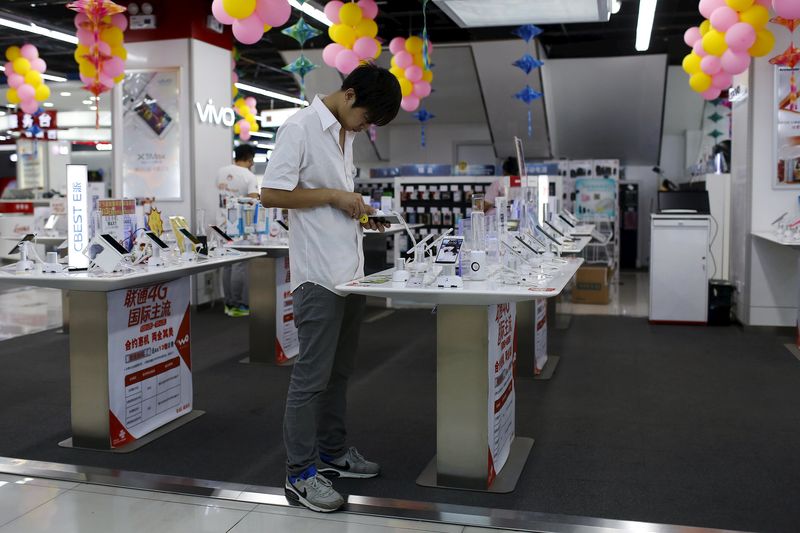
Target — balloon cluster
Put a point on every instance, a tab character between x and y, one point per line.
408	66
734	30
251	18
234	74
101	52
353	33
245	108
24	72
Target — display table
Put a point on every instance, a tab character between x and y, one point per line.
97	347
466	392
577	246
583	230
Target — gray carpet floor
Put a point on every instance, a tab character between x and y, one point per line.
681	425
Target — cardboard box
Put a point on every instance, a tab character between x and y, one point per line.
591	285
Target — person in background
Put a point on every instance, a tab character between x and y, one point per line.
510	168
311	173
236	181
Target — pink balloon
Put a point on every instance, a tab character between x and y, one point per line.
39	65
120	21
114	67
86	37
403	59
740	37
104	48
106	80
721	80
330	52
244	126
273	12
249	30
698	49
25	92
422	89
234	77
723	18
346	61
707	7
409	103
692	35
14	79
734	63
711	65
250	101
711	94
765	3
397	45
365	47
218	10
245	136
86	80
788	9
30	106
29	52
332	11
9	66
80	18
369	9
413	73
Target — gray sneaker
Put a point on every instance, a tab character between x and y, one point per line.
351	464
314	492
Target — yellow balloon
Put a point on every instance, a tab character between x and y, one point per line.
705	27
42	93
12	96
765	41
739	5
344	35
691	64
88	70
80	52
367	28
714	43
331	33
350	14
406	87
427	75
120	52
254	126
394	63
398	72
378	51
414	45
757	16
106	19
240	102
12	52
267	27
119	78
21	66
239	9
113	36
700	82
33	78
418	61
237	129
234	91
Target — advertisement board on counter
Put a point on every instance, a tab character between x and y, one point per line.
502	352
287	345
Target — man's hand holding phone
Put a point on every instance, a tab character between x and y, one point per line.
352	204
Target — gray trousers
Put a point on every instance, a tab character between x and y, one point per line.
316	404
235	284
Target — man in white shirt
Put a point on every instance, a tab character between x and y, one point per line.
236	181
311	173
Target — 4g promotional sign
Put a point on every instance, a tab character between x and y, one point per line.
149	359
502	354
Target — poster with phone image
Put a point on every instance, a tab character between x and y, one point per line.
152	133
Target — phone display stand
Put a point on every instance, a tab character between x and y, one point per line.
401	275
107	258
24	264
448	279
155	260
52	266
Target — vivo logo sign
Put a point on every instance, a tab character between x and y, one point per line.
210	114
77	215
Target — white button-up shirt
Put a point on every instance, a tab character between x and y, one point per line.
325	244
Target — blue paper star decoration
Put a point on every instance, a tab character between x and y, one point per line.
528	95
527	32
527	63
301	31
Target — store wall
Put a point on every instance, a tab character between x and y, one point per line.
648	189
440	142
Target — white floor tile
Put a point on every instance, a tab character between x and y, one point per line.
166	497
359	519
38	482
82	512
259	522
16	500
631	297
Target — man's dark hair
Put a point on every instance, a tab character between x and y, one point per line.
244	152
510	167
377	90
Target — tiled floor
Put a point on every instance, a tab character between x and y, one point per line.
25	310
630	297
32	505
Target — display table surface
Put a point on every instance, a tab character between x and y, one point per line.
771	237
577	245
463	383
102	282
583	229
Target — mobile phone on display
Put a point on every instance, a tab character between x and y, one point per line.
385	219
27	238
552	227
156	240
221	233
52	220
153	115
566	221
528	246
449	250
188	234
114	243
282	224
548	235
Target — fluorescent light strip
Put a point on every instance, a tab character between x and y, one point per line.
33	28
311	11
44	76
270	94
644	28
266	146
264	135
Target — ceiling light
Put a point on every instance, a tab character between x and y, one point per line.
65	93
33	28
103	147
644	28
616	5
311	11
87	102
260	158
270	94
13	158
48	104
265	135
265	146
93	107
480	13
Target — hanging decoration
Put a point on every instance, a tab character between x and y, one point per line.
527	64
24	75
408	66
234	75
250	19
301	32
101	53
733	32
423	116
788	17
354	34
245	108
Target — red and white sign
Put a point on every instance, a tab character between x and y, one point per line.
540	336
149	359
46	120
502	352
287	345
